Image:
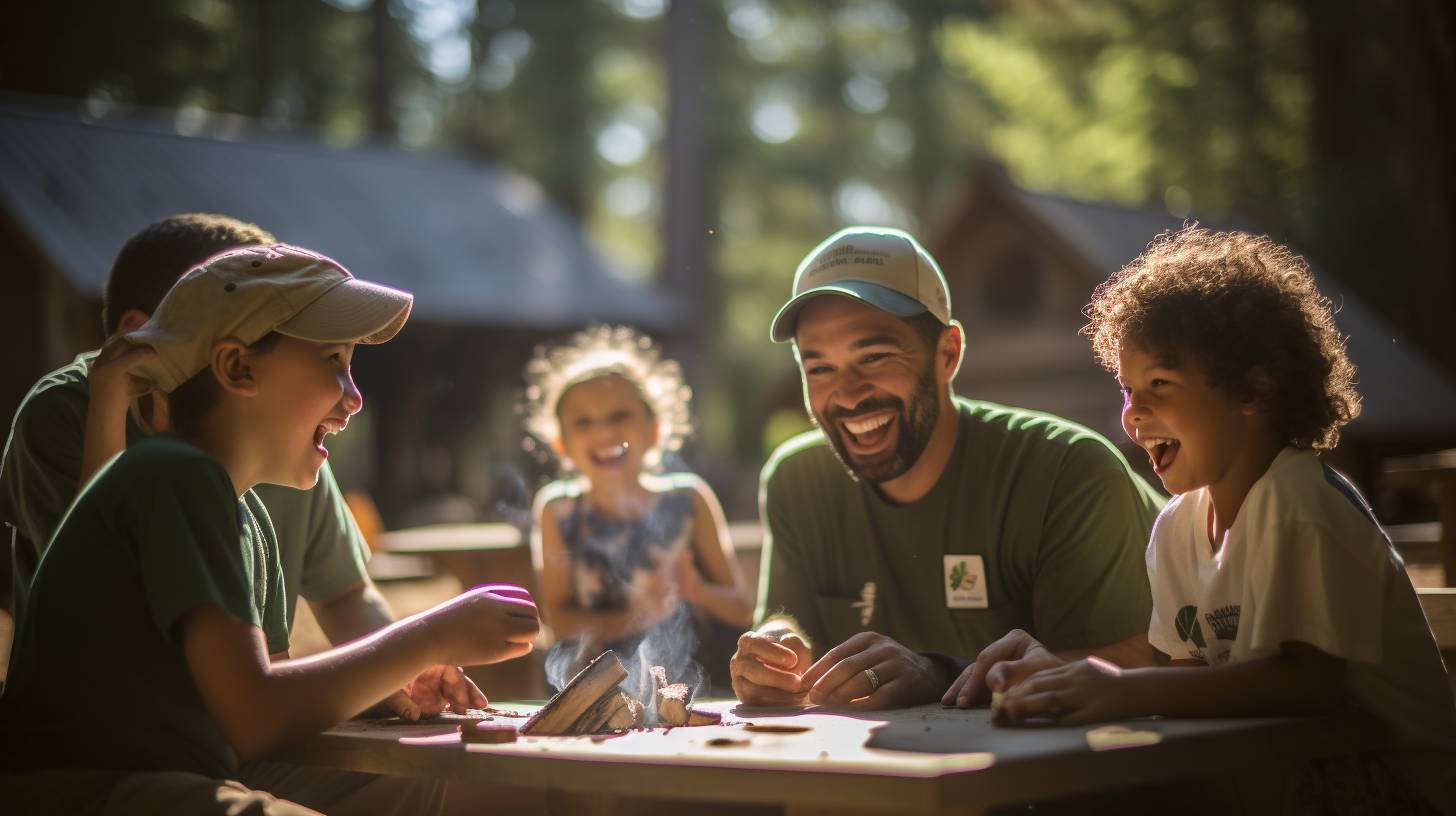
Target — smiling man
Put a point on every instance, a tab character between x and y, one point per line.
915	529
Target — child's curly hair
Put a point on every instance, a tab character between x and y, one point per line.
1234	301
601	351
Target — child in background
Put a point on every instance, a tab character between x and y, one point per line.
253	350
1275	591
626	556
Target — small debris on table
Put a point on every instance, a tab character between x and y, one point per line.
727	742
776	728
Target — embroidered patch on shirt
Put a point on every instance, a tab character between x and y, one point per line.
965	582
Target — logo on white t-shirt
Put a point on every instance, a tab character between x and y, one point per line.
1222	622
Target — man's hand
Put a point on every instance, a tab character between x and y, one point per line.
433	690
1089	690
768	666
1003	664
872	671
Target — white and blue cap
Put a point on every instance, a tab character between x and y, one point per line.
884	267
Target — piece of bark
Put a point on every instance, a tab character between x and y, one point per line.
626	716
487	731
586	689
613	712
697	716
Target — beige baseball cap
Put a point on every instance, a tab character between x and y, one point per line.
884	267
246	293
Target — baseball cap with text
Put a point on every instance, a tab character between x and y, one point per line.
881	266
248	292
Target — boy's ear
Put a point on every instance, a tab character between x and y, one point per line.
1259	391
131	320
232	366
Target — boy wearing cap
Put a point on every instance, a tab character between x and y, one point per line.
914	526
79	416
253	350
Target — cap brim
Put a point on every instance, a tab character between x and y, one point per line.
875	294
355	311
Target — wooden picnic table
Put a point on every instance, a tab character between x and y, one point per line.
923	759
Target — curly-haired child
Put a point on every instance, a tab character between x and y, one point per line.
1275	591
627	557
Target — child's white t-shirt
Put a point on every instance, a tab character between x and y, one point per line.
1306	561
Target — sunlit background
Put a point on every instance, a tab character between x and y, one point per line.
701	148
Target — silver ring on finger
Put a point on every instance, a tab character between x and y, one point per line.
873	678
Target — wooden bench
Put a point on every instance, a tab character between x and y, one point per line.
1439	605
1434	472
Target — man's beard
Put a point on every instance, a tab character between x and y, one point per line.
915	426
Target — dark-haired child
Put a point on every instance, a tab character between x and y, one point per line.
165	571
1275	591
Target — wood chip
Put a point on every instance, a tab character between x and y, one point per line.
487	731
562	712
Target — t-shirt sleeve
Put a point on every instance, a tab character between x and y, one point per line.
783	586
337	553
1162	631
1311	583
187	530
1091	586
41	462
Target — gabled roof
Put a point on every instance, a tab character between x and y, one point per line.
1404	392
475	242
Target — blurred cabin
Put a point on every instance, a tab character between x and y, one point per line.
495	267
1022	265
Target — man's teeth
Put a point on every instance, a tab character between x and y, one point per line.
863	426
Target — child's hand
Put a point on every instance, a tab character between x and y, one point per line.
654	594
1089	690
109	382
486	624
433	690
689	579
1008	661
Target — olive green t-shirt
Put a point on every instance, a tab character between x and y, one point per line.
98	677
322	550
1036	522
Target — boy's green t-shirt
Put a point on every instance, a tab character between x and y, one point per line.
98	677
323	552
1036	523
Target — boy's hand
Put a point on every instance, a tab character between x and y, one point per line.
1003	664
768	668
109	378
439	687
1089	690
487	624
